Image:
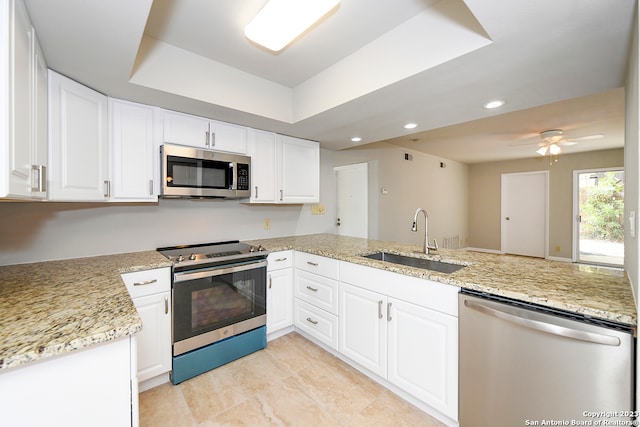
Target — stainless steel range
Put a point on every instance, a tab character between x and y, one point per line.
219	304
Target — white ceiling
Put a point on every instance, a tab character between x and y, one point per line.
365	70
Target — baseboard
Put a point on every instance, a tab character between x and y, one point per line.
561	259
489	251
153	382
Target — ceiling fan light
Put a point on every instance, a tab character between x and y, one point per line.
542	150
280	22
554	149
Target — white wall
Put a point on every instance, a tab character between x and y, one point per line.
411	184
632	178
40	231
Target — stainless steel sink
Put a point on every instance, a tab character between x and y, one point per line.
427	264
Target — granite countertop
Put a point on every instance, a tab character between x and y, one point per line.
590	291
51	308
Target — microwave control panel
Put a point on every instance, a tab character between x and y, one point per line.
243	176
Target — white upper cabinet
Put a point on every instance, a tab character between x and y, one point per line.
262	149
78	142
133	157
193	131
298	171
283	169
23	104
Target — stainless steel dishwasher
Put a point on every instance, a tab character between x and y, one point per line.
522	364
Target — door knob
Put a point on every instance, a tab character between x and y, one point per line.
507	218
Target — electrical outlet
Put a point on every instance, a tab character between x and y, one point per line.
267	224
317	209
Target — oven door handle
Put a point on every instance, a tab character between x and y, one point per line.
217	271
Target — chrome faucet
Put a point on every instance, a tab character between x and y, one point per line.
425	247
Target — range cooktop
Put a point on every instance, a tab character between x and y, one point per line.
203	253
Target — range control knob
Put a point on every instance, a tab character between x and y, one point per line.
192	257
180	258
260	248
252	249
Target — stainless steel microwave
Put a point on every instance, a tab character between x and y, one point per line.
189	172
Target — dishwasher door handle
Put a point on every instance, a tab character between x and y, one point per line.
544	326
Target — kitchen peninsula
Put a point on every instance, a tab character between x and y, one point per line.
53	309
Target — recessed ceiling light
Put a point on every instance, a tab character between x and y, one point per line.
494	104
356	139
280	22
411	126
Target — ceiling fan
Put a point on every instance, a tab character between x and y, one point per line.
553	139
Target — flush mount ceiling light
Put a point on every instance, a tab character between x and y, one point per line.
410	125
494	104
356	139
280	22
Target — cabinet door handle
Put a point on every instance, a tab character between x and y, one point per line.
312	289
380	309
389	312
270	281
206	139
107	185
41	180
151	187
310	320
166	305
256	196
315	264
213	139
146	282
280	195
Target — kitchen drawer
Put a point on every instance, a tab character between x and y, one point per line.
317	323
317	290
323	266
279	260
147	282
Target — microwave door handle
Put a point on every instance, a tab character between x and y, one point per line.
217	271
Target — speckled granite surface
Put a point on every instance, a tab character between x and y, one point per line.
590	291
51	308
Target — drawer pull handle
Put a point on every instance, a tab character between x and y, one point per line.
310	320
315	264
380	309
281	259
312	289
146	282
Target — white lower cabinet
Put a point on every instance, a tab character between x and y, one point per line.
363	328
86	387
150	291
316	291
279	291
413	345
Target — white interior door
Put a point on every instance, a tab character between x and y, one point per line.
524	213
352	204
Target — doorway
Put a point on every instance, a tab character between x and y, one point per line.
599	217
524	208
352	200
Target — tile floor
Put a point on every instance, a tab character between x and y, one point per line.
292	382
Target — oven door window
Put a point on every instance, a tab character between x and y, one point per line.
198	173
208	303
